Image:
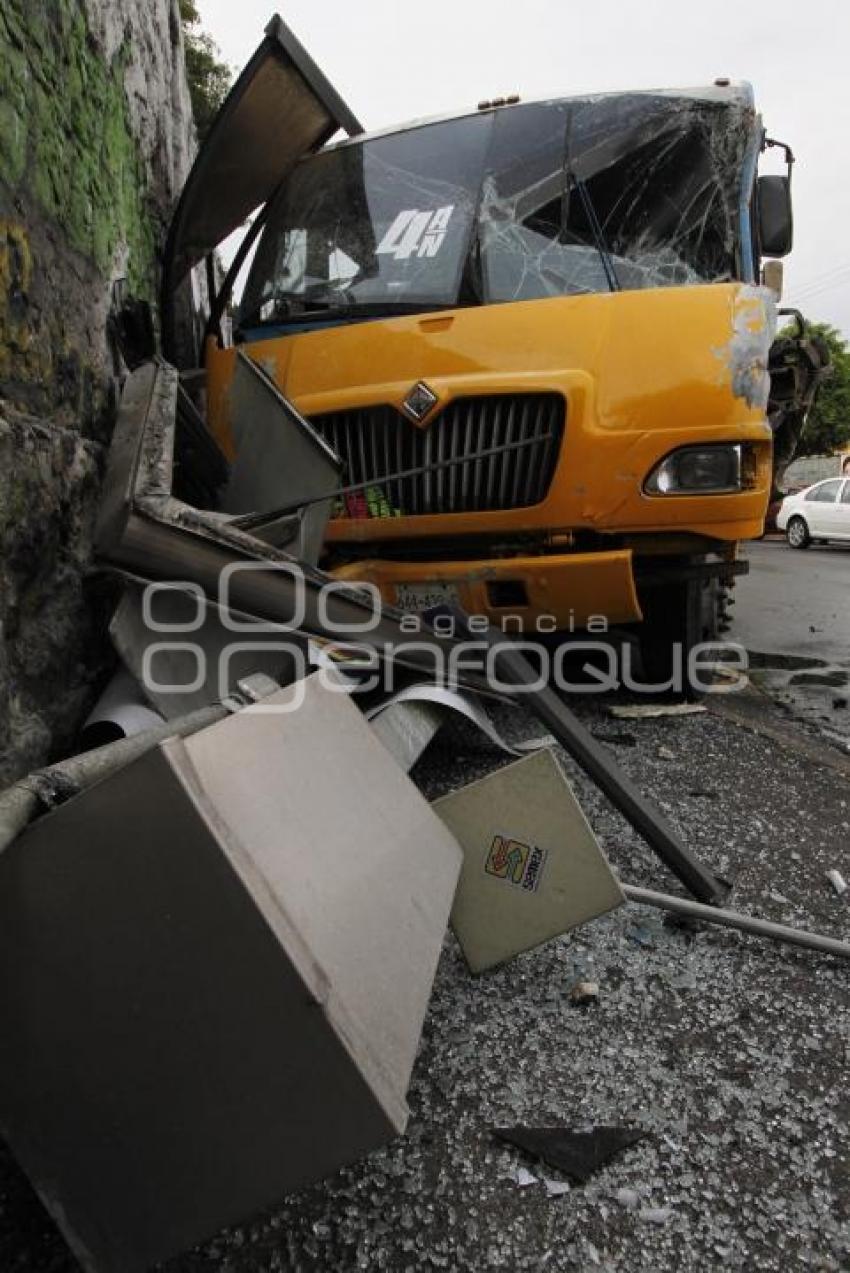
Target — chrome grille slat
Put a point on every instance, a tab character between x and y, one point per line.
401	489
542	455
516	488
480	442
493	461
538	431
468	448
383	460
440	474
375	442
361	469
453	474
374	461
427	477
509	438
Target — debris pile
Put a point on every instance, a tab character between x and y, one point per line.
219	929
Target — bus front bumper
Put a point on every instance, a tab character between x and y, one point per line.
532	593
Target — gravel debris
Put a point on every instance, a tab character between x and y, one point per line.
837	881
656	1215
730	1051
584	993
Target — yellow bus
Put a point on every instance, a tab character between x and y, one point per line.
535	333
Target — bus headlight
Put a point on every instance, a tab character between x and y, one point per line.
698	470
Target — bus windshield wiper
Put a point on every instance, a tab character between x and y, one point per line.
597	232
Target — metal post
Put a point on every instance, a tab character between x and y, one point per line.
733	919
20	802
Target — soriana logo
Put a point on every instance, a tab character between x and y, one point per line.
517	863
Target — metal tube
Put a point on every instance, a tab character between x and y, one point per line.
19	803
733	919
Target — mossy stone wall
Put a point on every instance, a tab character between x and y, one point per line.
96	138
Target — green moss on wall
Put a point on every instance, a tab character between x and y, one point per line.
65	135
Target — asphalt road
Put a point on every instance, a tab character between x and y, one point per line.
795	603
792	612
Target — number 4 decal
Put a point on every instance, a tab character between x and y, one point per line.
415	231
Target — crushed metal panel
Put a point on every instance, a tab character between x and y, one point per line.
280	108
280	458
406	729
191	658
532	870
146	423
367	870
239	1011
143	530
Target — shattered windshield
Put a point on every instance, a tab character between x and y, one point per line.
583	195
383	222
627	191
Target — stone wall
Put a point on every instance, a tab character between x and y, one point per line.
96	139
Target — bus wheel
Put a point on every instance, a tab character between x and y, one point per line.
677	618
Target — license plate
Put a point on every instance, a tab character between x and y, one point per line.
416	597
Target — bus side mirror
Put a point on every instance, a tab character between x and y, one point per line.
775	218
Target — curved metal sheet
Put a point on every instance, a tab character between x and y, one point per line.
280	108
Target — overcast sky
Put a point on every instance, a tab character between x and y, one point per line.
393	61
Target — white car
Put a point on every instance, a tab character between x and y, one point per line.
821	511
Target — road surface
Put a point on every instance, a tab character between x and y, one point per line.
793	610
795	603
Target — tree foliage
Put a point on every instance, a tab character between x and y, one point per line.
827	429
209	77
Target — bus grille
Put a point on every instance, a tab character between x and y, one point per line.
521	434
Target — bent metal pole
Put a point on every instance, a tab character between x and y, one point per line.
20	802
733	919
